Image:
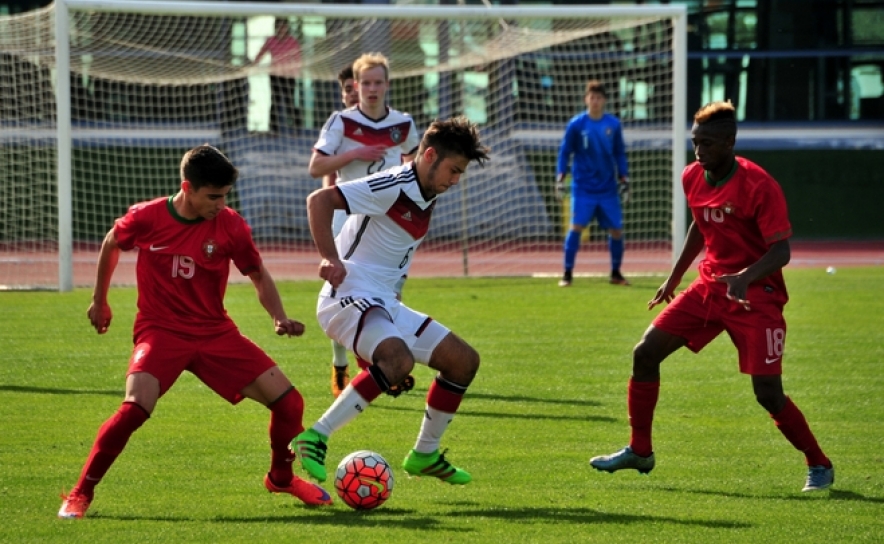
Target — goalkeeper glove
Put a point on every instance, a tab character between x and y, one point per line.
560	187
623	189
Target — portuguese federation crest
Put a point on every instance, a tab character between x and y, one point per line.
209	249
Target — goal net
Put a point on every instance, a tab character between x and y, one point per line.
99	100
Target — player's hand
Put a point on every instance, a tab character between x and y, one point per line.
623	189
288	327
100	315
559	187
332	271
665	293
370	153
736	289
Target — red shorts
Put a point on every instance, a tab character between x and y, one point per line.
226	363
699	316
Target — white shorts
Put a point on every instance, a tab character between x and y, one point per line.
343	320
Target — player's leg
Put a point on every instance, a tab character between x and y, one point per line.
407	384
687	321
580	216
157	360
610	217
457	363
286	407
340	375
379	340
142	392
236	368
760	340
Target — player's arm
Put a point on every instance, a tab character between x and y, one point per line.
693	245
321	206
268	296
322	164
622	165
99	312
563	162
329	180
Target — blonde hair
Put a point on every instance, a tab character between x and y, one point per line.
714	111
368	61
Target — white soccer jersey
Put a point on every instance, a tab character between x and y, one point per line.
388	219
350	129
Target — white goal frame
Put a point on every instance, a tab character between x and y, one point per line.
63	9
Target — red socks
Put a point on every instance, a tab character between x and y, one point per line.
112	438
445	396
790	421
641	401
286	422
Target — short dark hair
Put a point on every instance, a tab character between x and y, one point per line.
455	136
205	166
345	74
595	86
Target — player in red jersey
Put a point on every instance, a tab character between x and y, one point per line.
186	243
739	215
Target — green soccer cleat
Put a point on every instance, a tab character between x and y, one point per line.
434	464
310	446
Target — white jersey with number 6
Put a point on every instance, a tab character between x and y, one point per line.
388	219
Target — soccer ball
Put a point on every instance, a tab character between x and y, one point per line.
364	480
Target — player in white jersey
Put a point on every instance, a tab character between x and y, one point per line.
388	217
365	138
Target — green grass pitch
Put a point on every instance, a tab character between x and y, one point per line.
550	394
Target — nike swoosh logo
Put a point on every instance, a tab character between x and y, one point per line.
377	485
157	248
771	361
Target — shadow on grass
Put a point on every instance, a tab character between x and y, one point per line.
521	398
504	415
832	494
58	391
393	517
588	516
384	518
422	393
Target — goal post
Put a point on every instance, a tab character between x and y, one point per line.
108	94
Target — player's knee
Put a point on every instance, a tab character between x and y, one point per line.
289	404
645	361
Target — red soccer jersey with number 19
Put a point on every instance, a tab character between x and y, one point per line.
184	264
739	217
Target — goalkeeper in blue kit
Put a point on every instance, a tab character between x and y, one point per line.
593	142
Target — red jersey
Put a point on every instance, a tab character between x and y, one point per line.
183	265
739	218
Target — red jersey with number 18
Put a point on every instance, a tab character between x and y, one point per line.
183	265
739	218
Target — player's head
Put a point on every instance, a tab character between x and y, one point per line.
281	26
349	90
595	97
445	151
206	178
371	71
714	134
